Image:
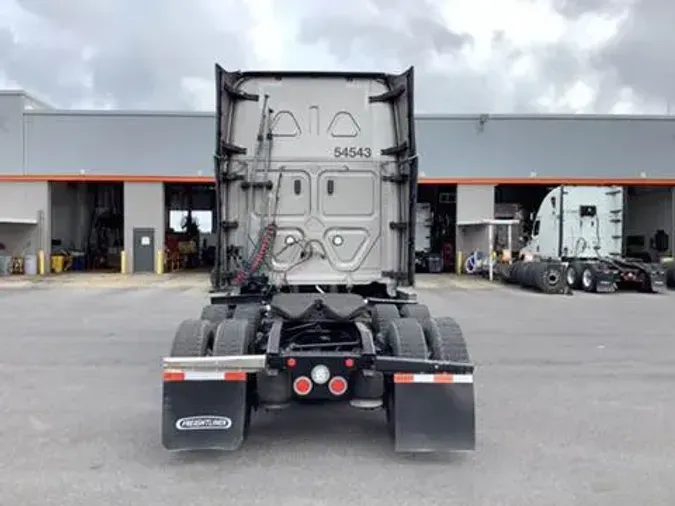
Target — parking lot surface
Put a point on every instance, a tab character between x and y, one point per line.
575	403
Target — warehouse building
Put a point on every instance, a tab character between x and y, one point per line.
109	188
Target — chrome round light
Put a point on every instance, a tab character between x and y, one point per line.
320	374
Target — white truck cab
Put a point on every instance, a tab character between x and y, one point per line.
582	222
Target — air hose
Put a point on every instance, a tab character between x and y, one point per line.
259	255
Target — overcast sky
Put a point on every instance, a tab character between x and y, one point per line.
471	56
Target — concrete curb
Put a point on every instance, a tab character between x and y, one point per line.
107	281
201	281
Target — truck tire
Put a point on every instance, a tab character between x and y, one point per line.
421	313
418	311
670	274
514	275
589	278
193	338
503	272
406	338
251	314
573	274
446	340
250	311
383	315
551	277
233	337
215	313
527	275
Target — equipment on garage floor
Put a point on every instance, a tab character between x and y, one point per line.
498	237
313	291
105	238
543	276
183	248
582	226
423	218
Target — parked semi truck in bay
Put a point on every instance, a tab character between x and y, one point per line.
583	228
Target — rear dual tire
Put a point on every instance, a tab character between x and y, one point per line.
424	338
229	337
193	338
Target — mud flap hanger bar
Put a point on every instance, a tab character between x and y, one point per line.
414	365
255	363
243	363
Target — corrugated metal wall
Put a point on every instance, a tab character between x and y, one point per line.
460	147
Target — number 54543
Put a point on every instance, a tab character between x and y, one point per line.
352	152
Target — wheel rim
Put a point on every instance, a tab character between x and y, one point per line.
571	276
587	278
553	277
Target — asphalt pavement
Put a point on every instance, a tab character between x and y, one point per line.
575	403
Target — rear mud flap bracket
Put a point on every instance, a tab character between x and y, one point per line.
204	415
433	416
658	283
605	282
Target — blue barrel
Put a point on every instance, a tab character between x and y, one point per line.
78	262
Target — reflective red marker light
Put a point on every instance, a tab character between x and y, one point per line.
337	385
302	385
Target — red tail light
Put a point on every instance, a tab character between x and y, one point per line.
302	385
337	386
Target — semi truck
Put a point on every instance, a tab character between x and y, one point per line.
313	292
582	227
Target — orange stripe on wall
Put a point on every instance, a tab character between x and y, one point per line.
422	181
110	179
552	182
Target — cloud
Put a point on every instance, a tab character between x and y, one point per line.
635	63
124	53
471	56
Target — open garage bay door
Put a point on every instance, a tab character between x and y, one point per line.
18	240
649	225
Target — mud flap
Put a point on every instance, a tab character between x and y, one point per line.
606	281
205	414
658	282
434	413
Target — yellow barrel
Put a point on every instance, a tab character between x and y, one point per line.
160	262
58	263
42	263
